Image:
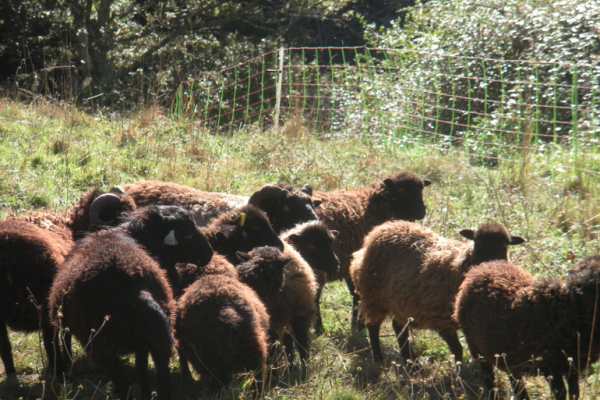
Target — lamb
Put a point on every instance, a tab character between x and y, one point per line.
310	246
354	213
32	247
285	205
409	271
113	294
522	325
222	324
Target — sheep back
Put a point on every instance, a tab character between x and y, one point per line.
204	206
221	327
102	278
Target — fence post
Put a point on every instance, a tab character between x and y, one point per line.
279	84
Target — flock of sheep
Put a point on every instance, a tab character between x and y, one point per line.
152	267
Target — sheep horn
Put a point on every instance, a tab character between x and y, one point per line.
265	193
307	189
99	204
117	190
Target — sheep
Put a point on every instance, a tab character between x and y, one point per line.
409	271
284	204
242	230
32	247
113	294
354	213
29	259
310	246
522	325
222	324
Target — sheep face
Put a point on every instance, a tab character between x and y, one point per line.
248	227
170	232
491	242
405	193
315	245
262	270
285	205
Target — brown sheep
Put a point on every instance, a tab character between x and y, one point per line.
221	328
354	213
284	204
523	325
310	245
32	247
411	272
113	294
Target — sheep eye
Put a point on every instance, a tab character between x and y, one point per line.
311	247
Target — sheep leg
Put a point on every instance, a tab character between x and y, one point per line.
488	373
374	341
112	365
185	367
573	383
55	361
141	370
161	358
451	338
319	328
300	327
288	343
6	350
357	324
401	331
518	386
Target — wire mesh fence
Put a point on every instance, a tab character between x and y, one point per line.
490	108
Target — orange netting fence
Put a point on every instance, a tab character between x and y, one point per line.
490	107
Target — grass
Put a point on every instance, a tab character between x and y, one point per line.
51	152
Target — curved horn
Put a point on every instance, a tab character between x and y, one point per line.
307	189
117	190
99	204
265	193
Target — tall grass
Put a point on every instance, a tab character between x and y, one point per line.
51	152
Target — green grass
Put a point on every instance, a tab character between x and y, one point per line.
50	153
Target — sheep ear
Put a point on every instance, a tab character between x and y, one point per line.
468	233
317	202
242	256
426	182
286	260
516	240
295	238
388	183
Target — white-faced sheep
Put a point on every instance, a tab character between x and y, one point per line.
411	272
284	204
113	295
222	323
32	247
524	325
354	213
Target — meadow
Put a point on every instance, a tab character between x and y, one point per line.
51	152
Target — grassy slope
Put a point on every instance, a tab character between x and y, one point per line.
50	153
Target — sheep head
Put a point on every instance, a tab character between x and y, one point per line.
491	242
405	194
285	205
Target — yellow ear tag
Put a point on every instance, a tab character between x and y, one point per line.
170	239
242	219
